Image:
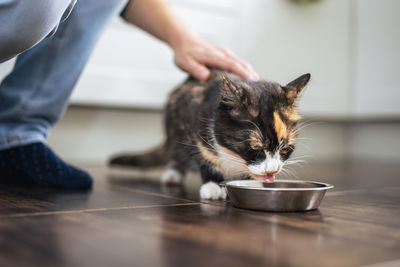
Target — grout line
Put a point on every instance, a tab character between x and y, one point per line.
152	193
167	196
45	213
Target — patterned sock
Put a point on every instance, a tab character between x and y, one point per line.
36	163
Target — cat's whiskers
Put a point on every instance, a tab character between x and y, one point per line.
227	156
304	138
303	125
304	145
291	162
212	146
308	122
245	130
281	145
238	173
296	161
282	172
246	140
232	158
255	125
288	173
300	157
293	173
289	170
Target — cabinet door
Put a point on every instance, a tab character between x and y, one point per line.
130	68
284	39
378	58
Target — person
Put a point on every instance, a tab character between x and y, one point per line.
53	41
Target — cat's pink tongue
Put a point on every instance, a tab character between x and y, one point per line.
269	179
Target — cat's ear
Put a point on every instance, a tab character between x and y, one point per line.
231	95
294	89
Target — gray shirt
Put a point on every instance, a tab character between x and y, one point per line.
24	23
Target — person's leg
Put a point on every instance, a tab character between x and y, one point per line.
35	94
26	23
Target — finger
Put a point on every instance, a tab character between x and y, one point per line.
245	65
251	70
222	61
226	51
197	70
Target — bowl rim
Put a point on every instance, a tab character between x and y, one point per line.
323	186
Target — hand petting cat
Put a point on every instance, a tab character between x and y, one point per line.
194	55
191	53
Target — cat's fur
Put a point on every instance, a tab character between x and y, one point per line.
227	128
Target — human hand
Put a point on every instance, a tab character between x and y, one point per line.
194	55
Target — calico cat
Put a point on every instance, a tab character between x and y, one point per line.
227	128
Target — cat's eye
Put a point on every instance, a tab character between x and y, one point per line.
255	146
284	151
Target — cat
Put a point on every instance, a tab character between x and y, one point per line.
227	128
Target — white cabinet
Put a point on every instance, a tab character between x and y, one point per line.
130	68
284	40
377	48
351	48
281	39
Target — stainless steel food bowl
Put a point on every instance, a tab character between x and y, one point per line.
281	195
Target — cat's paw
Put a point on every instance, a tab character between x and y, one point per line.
212	191
171	176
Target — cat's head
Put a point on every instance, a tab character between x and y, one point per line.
256	123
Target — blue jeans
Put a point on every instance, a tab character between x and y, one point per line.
36	93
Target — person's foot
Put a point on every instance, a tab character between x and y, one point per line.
36	163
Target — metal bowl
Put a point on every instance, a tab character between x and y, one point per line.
281	195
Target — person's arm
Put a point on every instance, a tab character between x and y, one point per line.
192	54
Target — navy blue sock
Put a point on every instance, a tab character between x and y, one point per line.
37	164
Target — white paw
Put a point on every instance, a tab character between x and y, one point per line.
171	176
212	191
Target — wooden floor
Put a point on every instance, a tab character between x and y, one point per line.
128	221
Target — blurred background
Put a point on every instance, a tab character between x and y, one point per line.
351	108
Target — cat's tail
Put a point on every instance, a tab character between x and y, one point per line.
153	158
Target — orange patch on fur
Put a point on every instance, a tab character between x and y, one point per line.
294	116
213	157
280	127
207	154
233	167
291	114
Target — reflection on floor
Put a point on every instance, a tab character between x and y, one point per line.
131	221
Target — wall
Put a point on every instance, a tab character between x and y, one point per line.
377	52
91	135
286	39
375	141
